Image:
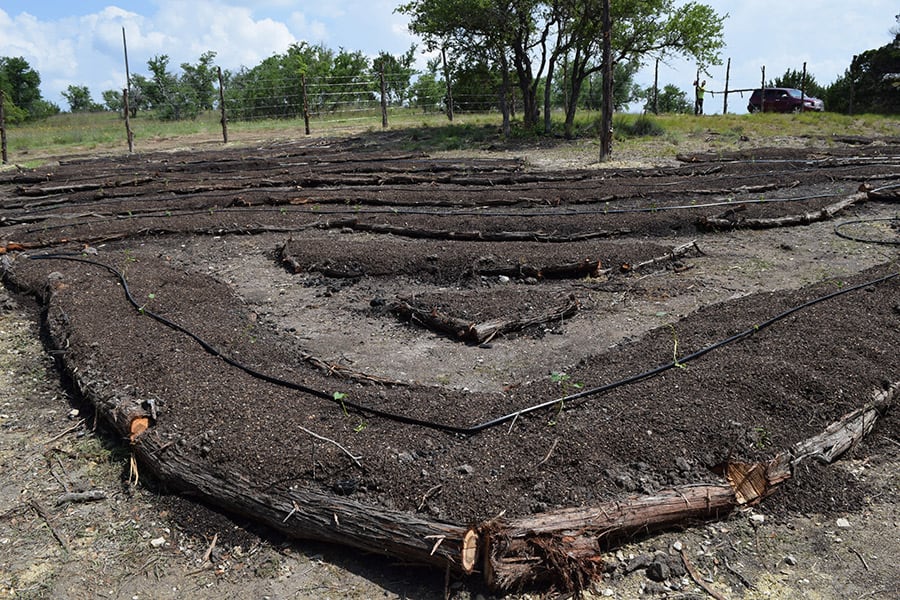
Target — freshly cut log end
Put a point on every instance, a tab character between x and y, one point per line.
138	426
469	551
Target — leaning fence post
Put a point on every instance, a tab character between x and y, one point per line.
128	131
222	107
5	158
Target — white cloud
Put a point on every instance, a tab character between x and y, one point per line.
312	31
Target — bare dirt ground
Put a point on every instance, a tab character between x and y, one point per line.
302	258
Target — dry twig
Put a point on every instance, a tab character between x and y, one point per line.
699	580
354	458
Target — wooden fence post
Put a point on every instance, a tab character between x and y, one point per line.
727	79
224	119
447	81
128	131
803	88
5	158
762	91
384	118
305	104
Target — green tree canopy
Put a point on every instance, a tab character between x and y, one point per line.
21	87
793	78
79	99
671	99
200	80
875	77
534	38
398	72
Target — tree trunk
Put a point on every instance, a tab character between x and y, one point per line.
548	85
606	120
504	94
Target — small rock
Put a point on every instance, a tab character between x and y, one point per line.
683	465
158	542
639	562
466	469
503	279
677	546
842	523
652	588
790	560
658	571
73	414
758	519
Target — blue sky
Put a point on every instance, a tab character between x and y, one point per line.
79	42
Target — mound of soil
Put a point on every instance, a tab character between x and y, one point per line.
288	331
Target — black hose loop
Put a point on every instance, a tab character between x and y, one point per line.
448	428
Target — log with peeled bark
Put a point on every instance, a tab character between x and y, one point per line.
563	548
726	223
479	333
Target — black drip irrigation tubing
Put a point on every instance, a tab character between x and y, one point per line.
847	236
456	429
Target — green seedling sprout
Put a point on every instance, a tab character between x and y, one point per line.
149	298
675	349
567	385
339	396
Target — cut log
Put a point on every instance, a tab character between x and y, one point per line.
676	252
718	223
478	333
472	236
309	513
563	548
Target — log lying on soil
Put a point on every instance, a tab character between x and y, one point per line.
311	514
563	548
471	236
725	222
478	333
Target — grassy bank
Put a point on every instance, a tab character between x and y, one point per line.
97	133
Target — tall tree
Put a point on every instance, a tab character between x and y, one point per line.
641	30
875	77
793	78
671	99
471	32
429	92
21	84
79	99
200	79
531	36
398	72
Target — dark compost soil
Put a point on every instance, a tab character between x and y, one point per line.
318	272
